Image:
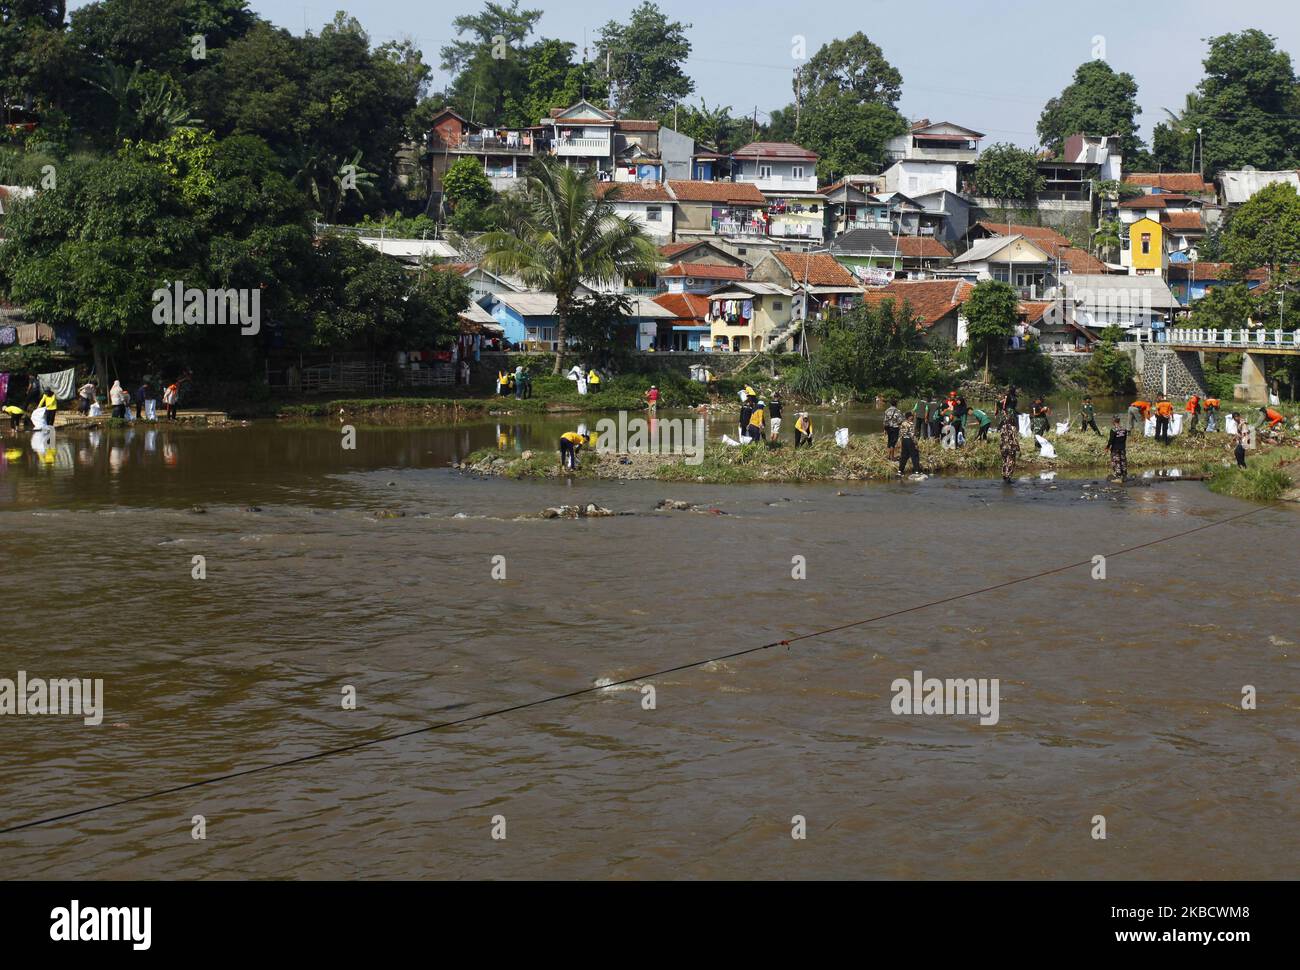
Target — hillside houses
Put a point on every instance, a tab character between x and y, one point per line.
737	230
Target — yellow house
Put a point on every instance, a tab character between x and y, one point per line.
1144	251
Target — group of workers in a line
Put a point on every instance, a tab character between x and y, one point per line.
88	403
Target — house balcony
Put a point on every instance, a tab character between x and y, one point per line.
581	147
797	230
735	227
515	143
781	183
884	224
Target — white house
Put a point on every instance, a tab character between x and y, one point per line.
943	141
921	176
1127	302
776	167
650	205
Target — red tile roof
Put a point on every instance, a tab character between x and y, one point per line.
1053	243
1212	271
1159	201
821	269
707	271
917	247
1171	182
775	149
930	300
633	192
1182	221
685	306
632	124
669	250
1035	234
725	193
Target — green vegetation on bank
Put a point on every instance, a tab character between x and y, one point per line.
865	458
1267	477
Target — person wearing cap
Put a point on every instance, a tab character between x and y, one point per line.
1193	409
1088	417
572	442
1211	405
756	419
1267	416
746	411
652	399
774	416
803	432
1164	414
907	439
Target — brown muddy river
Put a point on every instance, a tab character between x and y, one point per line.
1118	697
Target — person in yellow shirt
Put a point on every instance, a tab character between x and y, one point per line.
803	430
754	430
593	381
51	405
16	416
572	442
503	383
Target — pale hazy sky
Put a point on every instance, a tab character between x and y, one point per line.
989	66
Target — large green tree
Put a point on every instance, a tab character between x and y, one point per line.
845	106
1265	230
1099	101
646	61
489	62
569	236
1007	173
1247	104
991	311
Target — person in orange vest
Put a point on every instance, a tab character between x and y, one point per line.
1164	413
1137	414
1193	410
1211	414
1270	417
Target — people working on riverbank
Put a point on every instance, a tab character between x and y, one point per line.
1211	406
757	417
1193	411
893	421
593	381
774	416
86	396
1009	444
746	411
803	429
117	400
910	452
1137	414
1009	402
50	402
1117	446
948	434
984	424
503	383
170	397
572	442
1244	436
1268	416
652	399
1088	417
1164	414
1040	420
17	417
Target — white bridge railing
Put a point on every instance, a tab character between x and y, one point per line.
1258	338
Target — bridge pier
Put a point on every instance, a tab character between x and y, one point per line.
1254	380
1177	373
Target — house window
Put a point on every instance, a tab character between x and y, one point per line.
776	305
765	171
653	213
1146	243
796	171
913	182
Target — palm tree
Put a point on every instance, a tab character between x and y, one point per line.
569	236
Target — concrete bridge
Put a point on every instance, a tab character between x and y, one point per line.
1181	349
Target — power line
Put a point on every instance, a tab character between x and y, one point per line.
498	712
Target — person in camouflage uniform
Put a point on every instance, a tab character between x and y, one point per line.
1117	445
1009	445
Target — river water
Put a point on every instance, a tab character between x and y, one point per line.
1118	697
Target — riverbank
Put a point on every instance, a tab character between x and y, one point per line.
865	459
